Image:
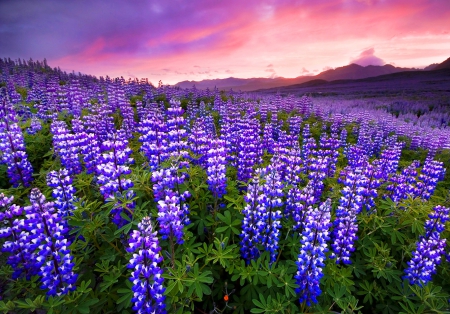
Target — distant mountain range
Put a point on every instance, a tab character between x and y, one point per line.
418	84
348	72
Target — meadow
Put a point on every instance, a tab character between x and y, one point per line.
117	196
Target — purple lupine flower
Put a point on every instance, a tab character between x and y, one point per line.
80	136
270	202
317	167
373	182
404	184
63	191
312	253
112	169
127	113
389	160
216	168
12	148
429	249
350	205
101	123
230	131
343	138
252	226
295	123
20	257
154	140
47	231
329	149
261	223
268	142
287	158
309	144
357	156
91	153
249	148
66	147
294	166
298	203
148	289
432	172
198	142
35	126
172	208
177	143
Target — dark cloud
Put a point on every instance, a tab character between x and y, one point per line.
270	66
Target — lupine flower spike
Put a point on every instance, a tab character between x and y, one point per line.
430	248
148	289
48	231
312	253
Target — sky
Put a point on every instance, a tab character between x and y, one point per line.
179	40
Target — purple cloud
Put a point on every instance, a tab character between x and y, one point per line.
367	57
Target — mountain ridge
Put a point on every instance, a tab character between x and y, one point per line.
348	72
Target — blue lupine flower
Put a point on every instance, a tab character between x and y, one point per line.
298	203
432	172
91	153
404	184
317	167
430	248
389	160
112	169
66	147
148	289
63	190
312	253
198	142
261	223
270	201
252	226
47	231
154	140
329	149
216	168
12	148
350	205
249	147
373	182
20	257
268	142
172	208
35	126
177	143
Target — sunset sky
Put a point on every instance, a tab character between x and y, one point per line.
194	40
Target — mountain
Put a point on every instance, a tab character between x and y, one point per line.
355	72
352	71
418	83
348	72
244	84
430	67
443	65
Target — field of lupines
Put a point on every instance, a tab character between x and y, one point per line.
117	197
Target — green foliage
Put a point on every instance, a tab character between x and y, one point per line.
23	92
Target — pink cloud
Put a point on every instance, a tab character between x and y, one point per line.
367	57
294	36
